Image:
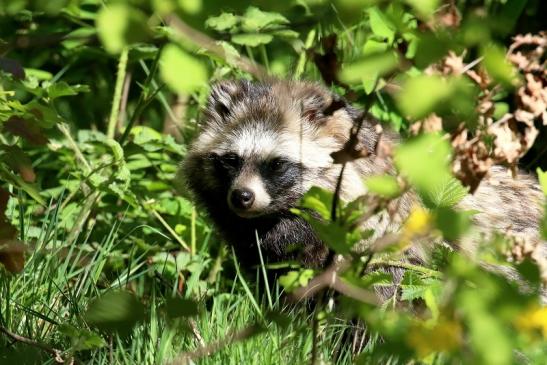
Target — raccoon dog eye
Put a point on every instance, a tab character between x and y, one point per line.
276	165
231	160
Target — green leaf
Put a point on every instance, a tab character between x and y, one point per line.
115	311
295	279
318	200
59	89
448	193
542	177
182	72
191	7
451	223
380	24
422	94
498	67
179	307
255	19
223	22
424	160
383	185
424	8
368	67
120	25
431	47
252	39
82	339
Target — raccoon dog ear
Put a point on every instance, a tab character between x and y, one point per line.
318	105
222	97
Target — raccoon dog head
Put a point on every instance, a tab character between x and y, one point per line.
263	145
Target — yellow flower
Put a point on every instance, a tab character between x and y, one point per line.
532	319
418	223
446	335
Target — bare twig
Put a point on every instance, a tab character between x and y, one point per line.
210	45
196	332
57	354
123	104
330	278
210	349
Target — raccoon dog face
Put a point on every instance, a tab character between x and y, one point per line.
263	145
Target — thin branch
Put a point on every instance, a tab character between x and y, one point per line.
209	44
330	278
57	354
123	104
233	337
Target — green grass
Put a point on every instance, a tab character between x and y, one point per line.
59	282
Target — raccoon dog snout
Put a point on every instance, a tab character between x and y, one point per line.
242	198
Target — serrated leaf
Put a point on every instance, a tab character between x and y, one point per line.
295	279
448	193
413	292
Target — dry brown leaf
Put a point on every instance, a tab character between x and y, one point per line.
12	255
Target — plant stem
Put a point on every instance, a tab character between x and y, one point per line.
408	266
115	111
303	56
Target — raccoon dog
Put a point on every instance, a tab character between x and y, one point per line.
263	145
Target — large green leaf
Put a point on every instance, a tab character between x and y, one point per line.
181	71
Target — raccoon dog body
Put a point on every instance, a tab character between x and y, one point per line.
263	145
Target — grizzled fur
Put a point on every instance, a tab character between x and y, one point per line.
275	140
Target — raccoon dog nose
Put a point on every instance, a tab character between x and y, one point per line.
242	198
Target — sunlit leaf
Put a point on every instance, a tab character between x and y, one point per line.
371	66
422	94
119	25
383	185
380	25
426	177
498	67
252	39
181	71
255	19
223	22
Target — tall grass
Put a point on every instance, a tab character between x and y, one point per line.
46	303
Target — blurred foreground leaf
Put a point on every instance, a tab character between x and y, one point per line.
115	311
